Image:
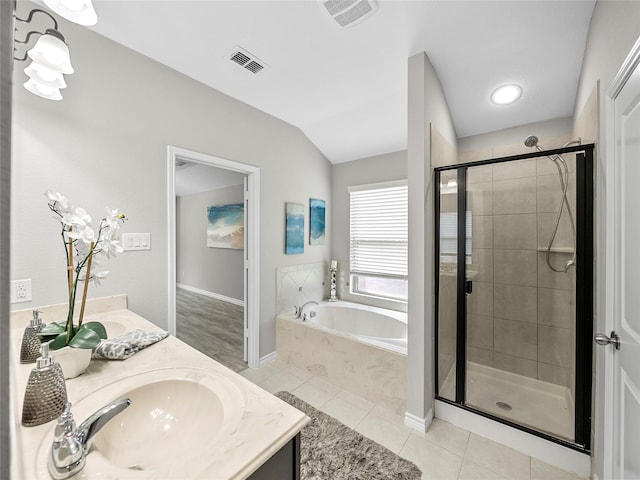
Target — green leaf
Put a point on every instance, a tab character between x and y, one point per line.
96	327
85	338
58	342
52	329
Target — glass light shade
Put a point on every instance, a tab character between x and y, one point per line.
506	94
77	11
45	76
44	91
52	53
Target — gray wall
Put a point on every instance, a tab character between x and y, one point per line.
615	27
106	144
427	108
216	270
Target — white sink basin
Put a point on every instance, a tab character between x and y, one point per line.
175	417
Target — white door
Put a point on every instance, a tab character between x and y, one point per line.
625	235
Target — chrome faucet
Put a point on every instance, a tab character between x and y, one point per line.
301	308
70	445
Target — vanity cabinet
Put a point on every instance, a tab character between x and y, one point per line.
283	465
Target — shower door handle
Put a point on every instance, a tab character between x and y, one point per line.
602	339
468	286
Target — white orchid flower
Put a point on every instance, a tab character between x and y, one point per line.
111	247
58	198
84	233
79	216
114	215
96	277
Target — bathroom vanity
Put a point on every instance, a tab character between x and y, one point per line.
190	417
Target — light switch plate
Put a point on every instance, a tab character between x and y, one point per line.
136	241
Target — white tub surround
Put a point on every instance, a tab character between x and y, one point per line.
255	424
356	359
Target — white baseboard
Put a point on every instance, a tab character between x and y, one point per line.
531	445
267	359
206	293
418	423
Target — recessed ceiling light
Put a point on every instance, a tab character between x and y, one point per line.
506	94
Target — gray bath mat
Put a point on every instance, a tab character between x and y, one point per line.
332	451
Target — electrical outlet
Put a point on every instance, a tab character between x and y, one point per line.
20	290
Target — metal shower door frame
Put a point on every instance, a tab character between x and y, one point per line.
584	290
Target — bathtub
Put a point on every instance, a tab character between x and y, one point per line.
375	326
359	348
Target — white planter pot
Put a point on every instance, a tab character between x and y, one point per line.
74	361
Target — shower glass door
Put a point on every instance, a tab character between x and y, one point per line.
447	248
509	345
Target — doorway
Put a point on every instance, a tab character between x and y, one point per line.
239	189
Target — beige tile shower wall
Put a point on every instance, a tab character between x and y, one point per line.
519	313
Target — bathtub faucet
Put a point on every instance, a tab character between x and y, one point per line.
301	308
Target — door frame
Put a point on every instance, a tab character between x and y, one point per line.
606	385
252	242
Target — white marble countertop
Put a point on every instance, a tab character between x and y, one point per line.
266	423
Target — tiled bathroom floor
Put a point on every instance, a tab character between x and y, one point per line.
445	452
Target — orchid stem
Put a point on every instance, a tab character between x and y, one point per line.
70	265
86	284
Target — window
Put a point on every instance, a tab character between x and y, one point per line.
449	237
379	240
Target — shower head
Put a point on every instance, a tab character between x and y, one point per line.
531	141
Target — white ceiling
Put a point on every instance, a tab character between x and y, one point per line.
346	88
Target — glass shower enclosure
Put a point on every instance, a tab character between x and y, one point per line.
514	293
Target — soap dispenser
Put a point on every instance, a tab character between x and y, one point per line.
46	392
30	348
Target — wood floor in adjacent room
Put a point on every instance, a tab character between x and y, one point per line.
211	326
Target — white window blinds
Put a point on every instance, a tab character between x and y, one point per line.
379	230
449	234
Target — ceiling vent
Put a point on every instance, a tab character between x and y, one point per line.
247	60
350	12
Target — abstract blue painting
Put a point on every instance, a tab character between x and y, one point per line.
225	227
316	221
294	242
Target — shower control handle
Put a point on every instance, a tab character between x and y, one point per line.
602	339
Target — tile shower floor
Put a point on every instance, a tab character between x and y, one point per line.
537	404
444	452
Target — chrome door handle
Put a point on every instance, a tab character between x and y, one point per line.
602	339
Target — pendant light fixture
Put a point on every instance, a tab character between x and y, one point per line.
44	91
51	52
50	57
77	11
45	76
49	60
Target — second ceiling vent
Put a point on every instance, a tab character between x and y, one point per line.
350	12
247	60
